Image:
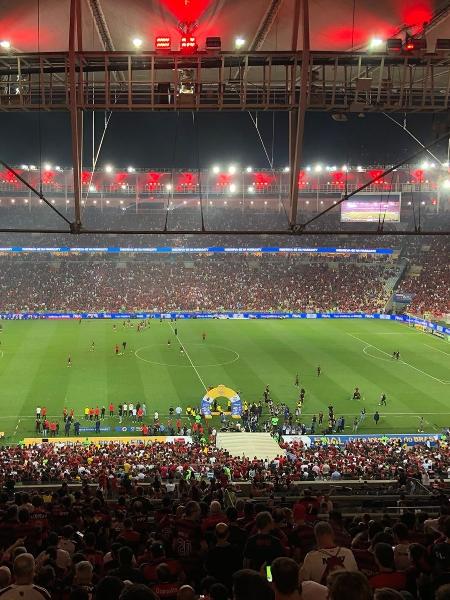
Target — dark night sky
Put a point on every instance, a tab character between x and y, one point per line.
165	140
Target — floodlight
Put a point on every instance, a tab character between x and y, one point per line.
232	188
137	42
286	169
250	189
249	169
239	42
376	43
5	44
168	187
47	167
216	169
318	169
92	188
108	169
232	169
131	169
446	184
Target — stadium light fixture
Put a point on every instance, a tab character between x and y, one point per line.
92	188
409	202
376	43
184	201
308	168
423	202
344	168
425	165
137	42
168	187
225	202
47	167
120	201
107	202
210	202
131	169
359	169
24	167
446	184
216	169
53	201
251	201
94	201
33	167
13	201
307	202
251	189
41	201
26	201
5	44
124	186
232	169
239	42
286	169
67	201
83	202
249	169
109	169
232	188
318	169
58	168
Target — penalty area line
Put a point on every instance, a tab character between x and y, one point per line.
400	361
188	357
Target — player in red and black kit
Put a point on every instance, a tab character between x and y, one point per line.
117	349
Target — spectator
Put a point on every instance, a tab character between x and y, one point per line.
328	557
126	571
24	586
224	559
348	586
387	576
109	588
249	585
287	586
263	547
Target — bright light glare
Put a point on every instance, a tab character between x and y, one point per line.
318	169
251	189
425	165
249	169
5	44
345	168
286	169
33	167
446	184
124	186
359	168
26	200
308	169
239	42
24	167
92	188
375	43
58	168
137	42
47	167
168	187
131	169
232	188
109	169
216	169
232	169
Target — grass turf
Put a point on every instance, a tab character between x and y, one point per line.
244	355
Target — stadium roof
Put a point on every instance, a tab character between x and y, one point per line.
334	24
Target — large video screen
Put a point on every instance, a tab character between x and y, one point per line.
371	207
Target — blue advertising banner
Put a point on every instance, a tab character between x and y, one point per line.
196	250
434	327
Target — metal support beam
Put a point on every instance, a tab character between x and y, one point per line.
76	121
297	122
265	25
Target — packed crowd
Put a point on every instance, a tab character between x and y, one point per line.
180	537
170	463
245	283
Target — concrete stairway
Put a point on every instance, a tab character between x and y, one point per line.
261	445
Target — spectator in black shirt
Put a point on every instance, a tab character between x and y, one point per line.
224	559
263	547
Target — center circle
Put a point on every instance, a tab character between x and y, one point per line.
164	355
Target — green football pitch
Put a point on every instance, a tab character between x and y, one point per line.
243	355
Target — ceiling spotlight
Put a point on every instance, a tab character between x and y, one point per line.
344	168
47	167
232	188
232	169
251	189
308	169
131	169
137	42
318	168
58	168
108	169
92	188
168	187
5	44
286	169
216	169
249	169
239	42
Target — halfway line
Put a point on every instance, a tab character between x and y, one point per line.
402	361
188	357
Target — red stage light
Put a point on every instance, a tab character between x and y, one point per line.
85	177
163	42
188	43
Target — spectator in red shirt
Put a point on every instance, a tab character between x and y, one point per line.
387	576
111	409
